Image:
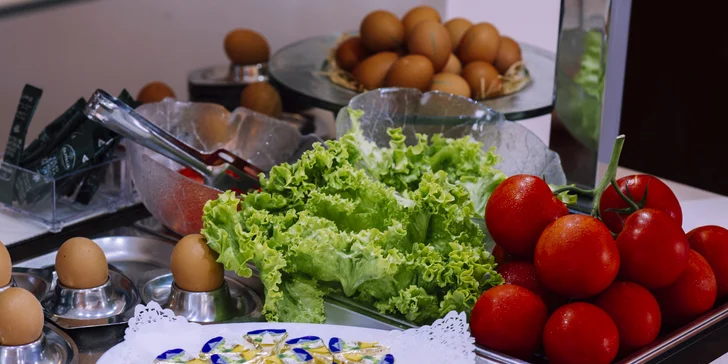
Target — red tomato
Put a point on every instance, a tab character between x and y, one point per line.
522	274
509	319
576	257
691	295
635	312
659	197
653	249
518	211
580	333
712	243
500	255
192	175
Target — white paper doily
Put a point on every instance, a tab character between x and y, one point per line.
154	330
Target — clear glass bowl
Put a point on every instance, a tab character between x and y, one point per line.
454	116
176	200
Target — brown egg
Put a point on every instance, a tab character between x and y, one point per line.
154	92
194	265
350	53
381	31
453	65
245	46
370	73
431	39
80	264
6	266
263	98
413	71
21	317
417	15
483	79
509	53
211	125
479	43
450	83
456	28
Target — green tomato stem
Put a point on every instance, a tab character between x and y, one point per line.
632	205
610	175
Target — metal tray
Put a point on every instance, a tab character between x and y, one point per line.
140	259
61	346
144	258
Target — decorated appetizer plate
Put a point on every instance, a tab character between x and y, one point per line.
157	336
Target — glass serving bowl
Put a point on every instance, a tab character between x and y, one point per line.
177	200
433	112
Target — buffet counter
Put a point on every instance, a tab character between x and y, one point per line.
699	208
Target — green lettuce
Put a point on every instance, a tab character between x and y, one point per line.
402	166
404	242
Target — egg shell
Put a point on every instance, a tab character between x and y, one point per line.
350	53
211	123
194	265
246	46
6	266
412	71
417	15
21	317
431	39
450	83
457	27
155	91
479	43
509	52
370	73
81	264
381	31
453	65
483	79
263	98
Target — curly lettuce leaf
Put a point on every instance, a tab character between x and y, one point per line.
402	166
301	300
324	224
322	251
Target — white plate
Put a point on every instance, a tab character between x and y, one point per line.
192	341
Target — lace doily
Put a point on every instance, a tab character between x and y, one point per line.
154	330
447	340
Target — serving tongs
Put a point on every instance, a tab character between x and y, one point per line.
236	174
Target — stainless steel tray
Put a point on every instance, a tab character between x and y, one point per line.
144	258
140	259
60	346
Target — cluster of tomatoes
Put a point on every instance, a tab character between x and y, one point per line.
588	289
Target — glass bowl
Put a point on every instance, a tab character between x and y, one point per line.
433	112
177	200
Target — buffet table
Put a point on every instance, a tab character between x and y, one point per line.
26	239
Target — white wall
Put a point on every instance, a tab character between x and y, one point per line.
72	50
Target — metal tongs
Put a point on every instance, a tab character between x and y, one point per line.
238	174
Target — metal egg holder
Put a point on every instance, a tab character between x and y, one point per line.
139	273
53	345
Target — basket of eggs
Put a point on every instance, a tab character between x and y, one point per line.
419	51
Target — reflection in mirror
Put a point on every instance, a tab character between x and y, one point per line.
589	83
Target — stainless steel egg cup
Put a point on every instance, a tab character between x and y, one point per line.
53	346
112	303
231	301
